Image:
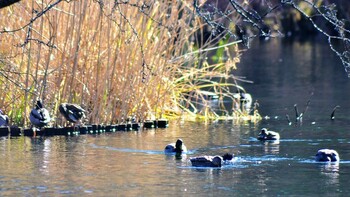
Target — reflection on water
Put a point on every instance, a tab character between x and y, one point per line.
134	164
331	172
293	73
272	147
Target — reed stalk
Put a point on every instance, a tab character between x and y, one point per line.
116	60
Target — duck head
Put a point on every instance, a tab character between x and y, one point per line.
263	134
227	156
217	161
178	146
263	131
39	104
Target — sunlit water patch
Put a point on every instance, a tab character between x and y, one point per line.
251	139
312	161
130	150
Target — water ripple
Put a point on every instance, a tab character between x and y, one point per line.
252	139
130	150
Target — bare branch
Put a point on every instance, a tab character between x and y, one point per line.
323	18
38	15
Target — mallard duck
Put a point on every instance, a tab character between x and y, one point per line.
207	161
268	135
178	147
72	112
211	161
39	116
4	119
327	155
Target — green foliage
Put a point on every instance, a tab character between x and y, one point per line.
220	52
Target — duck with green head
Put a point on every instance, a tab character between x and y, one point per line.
39	116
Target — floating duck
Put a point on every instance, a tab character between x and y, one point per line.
211	161
178	147
268	135
4	119
327	155
39	116
72	112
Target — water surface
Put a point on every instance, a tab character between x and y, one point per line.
133	163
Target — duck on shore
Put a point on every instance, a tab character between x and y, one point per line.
268	135
39	116
177	147
327	155
211	161
4	119
72	112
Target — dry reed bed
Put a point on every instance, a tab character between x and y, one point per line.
115	60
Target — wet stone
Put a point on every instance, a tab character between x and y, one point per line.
162	123
4	131
149	124
110	128
121	127
50	131
15	131
94	128
128	127
135	126
83	130
89	129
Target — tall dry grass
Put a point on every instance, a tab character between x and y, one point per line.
116	60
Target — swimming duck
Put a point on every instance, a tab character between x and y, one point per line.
72	112
178	147
327	155
268	135
39	116
4	119
211	161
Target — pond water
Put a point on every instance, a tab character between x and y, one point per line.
133	163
